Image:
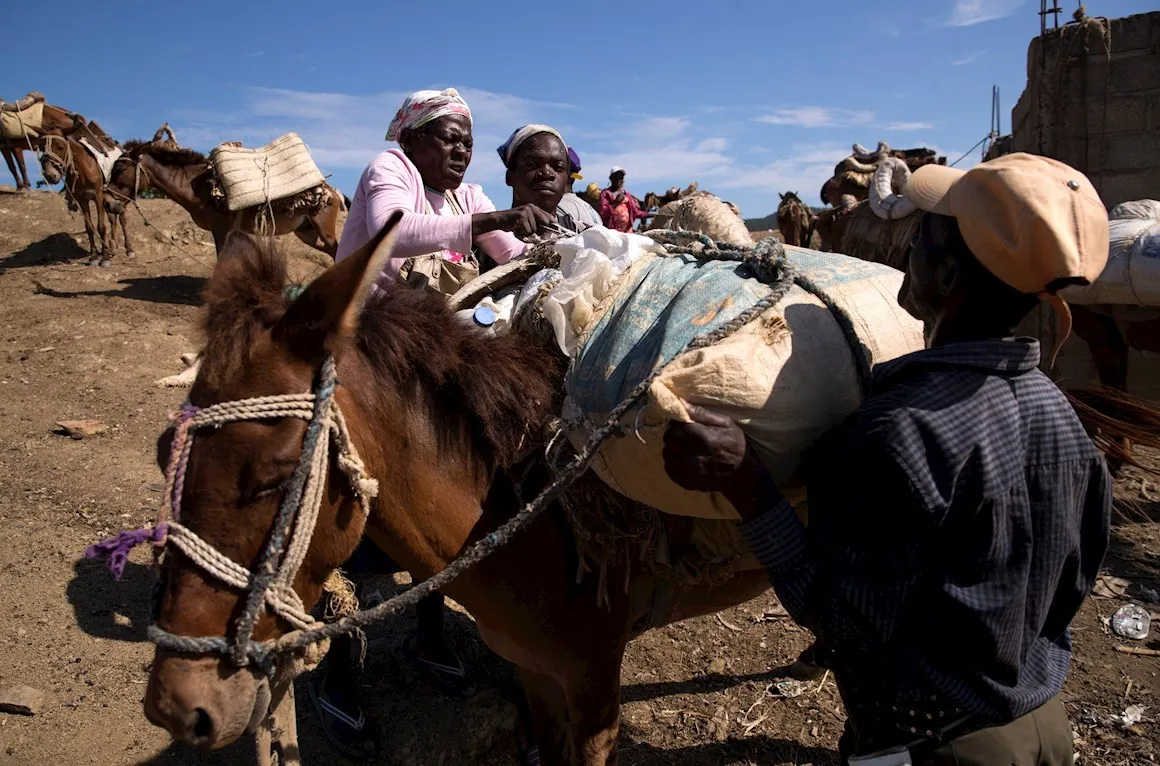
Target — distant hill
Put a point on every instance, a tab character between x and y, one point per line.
769	222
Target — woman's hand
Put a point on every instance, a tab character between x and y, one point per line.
711	454
522	221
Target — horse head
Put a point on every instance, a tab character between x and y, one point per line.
233	485
54	158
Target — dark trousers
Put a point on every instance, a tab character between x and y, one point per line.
1040	738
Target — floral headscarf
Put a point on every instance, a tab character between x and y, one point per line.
424	106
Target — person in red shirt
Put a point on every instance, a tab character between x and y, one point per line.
618	209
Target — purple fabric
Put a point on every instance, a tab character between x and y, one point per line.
573	161
116	549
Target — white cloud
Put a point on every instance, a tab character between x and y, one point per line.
713	145
970	58
817	117
344	131
804	170
967	13
659	127
908	127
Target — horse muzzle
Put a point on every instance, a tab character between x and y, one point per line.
52	174
203	701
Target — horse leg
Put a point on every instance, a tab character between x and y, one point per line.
90	229
125	235
103	229
19	153
594	709
11	161
547	717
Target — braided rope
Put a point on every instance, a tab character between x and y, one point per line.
264	574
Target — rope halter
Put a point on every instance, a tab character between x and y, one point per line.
270	583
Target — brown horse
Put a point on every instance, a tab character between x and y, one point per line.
437	412
794	220
84	185
55	121
186	177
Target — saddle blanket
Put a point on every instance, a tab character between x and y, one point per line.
106	158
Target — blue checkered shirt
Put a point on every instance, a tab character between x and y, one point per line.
957	521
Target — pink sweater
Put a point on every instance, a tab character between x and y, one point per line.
392	182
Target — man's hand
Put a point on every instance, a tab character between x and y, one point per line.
711	454
521	221
705	455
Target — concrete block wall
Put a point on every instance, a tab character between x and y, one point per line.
1093	101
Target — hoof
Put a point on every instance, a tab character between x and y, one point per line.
130	254
106	262
94	260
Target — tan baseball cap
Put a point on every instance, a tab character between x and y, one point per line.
1029	220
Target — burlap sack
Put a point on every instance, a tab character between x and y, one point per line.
705	214
24	124
786	377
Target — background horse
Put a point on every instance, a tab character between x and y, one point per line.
55	121
84	184
186	177
793	220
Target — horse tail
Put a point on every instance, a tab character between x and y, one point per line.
1116	420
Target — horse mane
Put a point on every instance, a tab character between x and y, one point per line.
170	155
243	299
505	388
502	388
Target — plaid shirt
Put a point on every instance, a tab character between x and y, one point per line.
957	521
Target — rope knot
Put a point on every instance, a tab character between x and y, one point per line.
368	487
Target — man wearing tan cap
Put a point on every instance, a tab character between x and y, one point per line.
959	517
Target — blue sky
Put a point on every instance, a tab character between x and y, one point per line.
747	97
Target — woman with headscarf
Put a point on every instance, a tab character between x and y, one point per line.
618	209
442	216
442	219
539	170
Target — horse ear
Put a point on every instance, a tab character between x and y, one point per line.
326	315
780	196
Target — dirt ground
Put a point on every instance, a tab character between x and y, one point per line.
86	342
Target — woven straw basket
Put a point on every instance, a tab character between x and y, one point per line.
280	169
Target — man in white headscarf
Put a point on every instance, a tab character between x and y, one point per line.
539	171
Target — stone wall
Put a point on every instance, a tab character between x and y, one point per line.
1093	101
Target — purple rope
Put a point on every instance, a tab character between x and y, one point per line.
116	549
